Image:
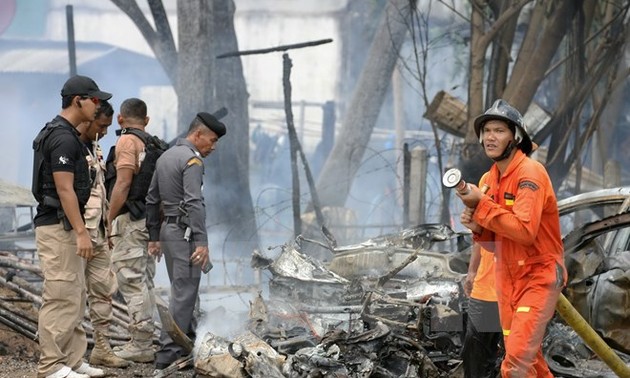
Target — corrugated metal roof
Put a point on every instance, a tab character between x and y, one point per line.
43	60
11	195
35	56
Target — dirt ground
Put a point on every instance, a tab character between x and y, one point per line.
19	355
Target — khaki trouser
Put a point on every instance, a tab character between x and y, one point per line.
62	338
134	270
101	282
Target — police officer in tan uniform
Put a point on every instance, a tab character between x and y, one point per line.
181	235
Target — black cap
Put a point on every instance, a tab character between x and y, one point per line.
212	122
83	86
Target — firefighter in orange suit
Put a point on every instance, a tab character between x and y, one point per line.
518	220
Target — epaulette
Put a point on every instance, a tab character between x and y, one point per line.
194	161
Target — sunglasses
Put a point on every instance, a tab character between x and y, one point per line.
95	100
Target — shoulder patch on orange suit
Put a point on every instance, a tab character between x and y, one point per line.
525	184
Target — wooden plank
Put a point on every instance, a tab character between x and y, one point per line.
449	113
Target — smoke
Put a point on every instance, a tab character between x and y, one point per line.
31	96
220	319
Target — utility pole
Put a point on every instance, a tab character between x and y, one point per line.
72	50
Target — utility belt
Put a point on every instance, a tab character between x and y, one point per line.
182	222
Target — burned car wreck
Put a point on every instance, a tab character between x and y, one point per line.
388	307
393	305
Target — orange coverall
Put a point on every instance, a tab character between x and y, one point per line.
521	225
484	287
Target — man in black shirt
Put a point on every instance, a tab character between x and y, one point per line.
61	185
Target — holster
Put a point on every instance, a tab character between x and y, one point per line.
137	210
183	221
54	203
66	223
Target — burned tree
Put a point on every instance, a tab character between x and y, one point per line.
566	59
205	29
338	172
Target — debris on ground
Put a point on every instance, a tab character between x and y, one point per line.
387	307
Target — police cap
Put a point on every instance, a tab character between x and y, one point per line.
212	123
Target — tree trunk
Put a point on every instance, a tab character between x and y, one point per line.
521	89
478	49
500	58
195	61
548	26
358	25
347	153
229	200
610	117
205	29
480	40
159	39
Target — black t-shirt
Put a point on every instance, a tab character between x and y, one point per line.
63	150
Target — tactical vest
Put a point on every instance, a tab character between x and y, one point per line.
136	198
96	207
43	184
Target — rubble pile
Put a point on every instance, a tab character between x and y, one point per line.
402	319
23	280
